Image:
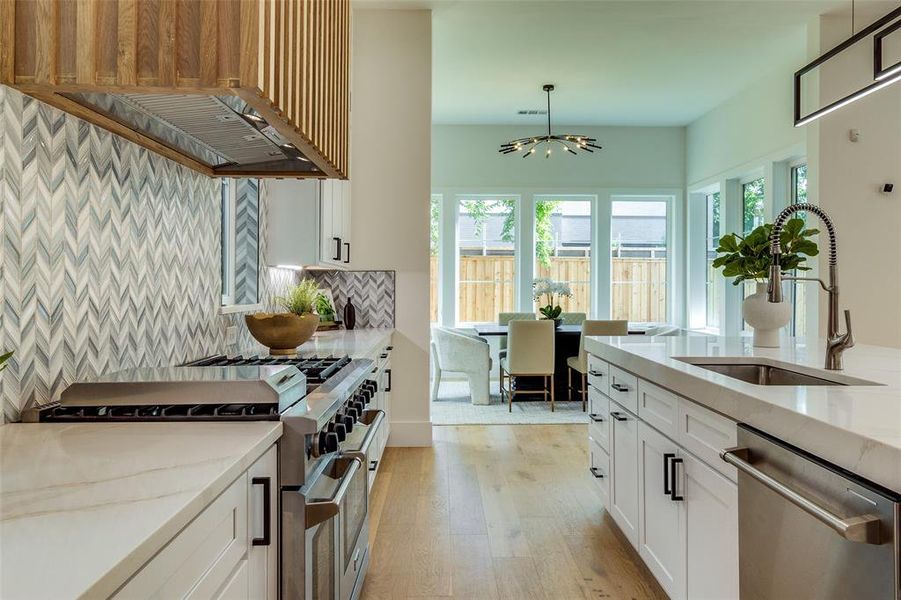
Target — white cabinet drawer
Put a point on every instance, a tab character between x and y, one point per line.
200	560
599	415
658	408
599	374
624	389
705	434
600	470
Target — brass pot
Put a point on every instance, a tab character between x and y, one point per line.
282	333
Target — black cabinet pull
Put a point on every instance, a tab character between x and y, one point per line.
618	416
619	387
595	417
337	248
373	465
672	474
666	458
384	355
347	260
596	473
267	513
388	387
596	373
389	348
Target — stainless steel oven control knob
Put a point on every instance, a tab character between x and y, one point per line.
328	442
341	431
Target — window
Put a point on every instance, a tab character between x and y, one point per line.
486	254
715	283
563	247
240	241
798	289
638	231
752	194
434	239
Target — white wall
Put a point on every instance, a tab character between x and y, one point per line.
749	127
390	175
849	176
466	156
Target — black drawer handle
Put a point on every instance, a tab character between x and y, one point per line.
619	387
347	260
389	348
596	373
666	488
388	388
596	417
373	465
596	473
267	513
672	475
337	248
618	416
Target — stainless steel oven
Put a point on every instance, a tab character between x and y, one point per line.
808	529
336	534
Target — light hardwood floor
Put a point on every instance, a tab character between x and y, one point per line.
497	512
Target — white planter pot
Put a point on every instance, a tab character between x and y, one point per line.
765	317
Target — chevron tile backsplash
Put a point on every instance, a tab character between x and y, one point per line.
109	256
372	294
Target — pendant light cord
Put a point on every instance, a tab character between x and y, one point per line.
549	112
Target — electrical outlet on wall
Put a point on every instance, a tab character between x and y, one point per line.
231	335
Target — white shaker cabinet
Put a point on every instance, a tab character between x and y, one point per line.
663	483
225	552
711	532
624	489
660	531
309	223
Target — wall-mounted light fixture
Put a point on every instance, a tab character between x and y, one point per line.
883	77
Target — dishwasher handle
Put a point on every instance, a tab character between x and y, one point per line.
864	529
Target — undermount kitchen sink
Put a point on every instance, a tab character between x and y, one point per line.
770	373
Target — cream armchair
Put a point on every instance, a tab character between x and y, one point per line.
459	353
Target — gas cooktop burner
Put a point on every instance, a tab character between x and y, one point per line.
317	369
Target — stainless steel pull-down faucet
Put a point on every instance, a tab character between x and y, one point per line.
836	343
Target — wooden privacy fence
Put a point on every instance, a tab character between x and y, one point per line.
486	287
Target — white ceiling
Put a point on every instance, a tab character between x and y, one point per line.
632	62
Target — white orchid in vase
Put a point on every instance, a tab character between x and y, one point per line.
550	292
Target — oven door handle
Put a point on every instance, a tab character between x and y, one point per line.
863	529
360	453
320	511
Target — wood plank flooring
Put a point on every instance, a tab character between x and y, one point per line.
497	512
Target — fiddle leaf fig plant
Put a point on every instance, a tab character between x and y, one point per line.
749	258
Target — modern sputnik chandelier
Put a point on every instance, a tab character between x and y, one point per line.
569	142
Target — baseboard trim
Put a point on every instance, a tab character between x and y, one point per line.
405	434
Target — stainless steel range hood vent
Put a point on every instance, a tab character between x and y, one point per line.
222	132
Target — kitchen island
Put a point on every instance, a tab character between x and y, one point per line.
857	427
84	506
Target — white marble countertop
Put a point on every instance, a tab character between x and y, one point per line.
84	506
358	343
855	427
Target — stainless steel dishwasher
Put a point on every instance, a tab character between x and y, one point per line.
809	529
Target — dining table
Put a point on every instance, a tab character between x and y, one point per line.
566	344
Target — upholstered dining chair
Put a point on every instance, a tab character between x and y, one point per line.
504	318
530	353
580	363
575	318
459	353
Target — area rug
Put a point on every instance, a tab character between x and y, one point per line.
454	407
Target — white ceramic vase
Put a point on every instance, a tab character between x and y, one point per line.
765	317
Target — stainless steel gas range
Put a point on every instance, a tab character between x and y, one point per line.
331	425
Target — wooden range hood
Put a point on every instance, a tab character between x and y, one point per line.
227	87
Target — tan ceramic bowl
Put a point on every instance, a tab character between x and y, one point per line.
282	333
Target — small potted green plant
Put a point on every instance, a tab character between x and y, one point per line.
4	358
748	258
326	311
550	292
283	332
